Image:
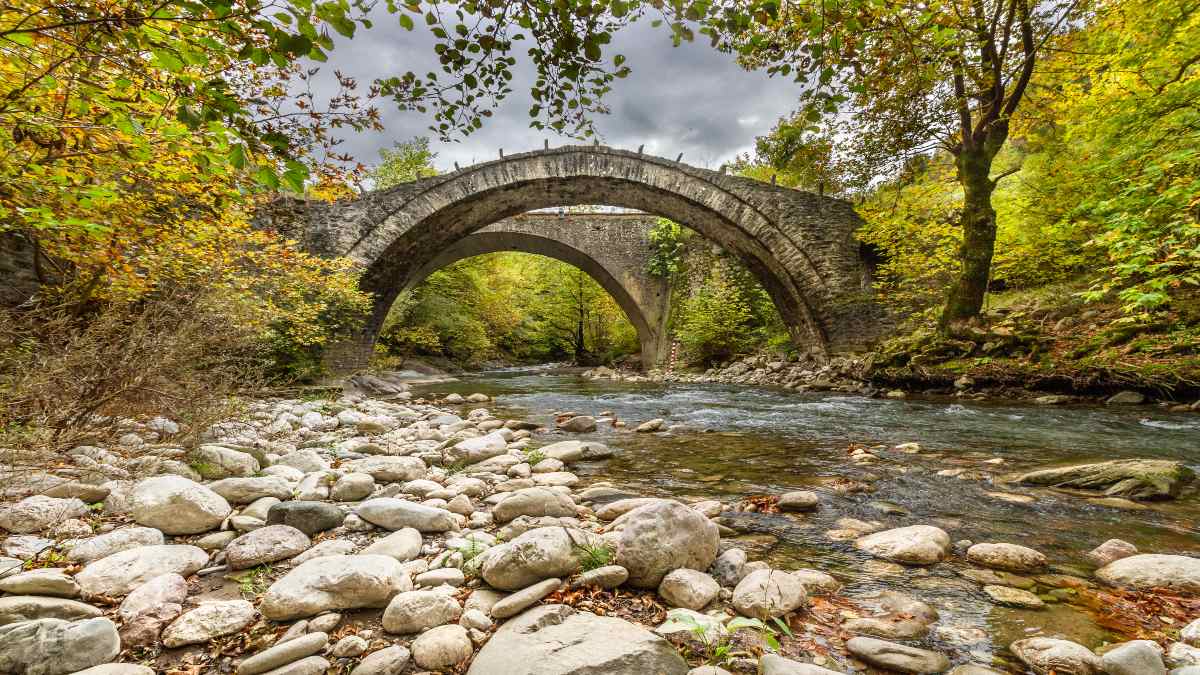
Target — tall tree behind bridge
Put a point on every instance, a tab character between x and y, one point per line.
890	80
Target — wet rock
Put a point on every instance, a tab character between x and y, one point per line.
403	545
397	514
118	574
542	553
895	657
209	620
650	426
415	611
534	501
802	500
57	647
1010	557
889	627
766	594
1147	571
335	582
50	581
1138	657
1047	656
388	661
118	540
665	536
310	518
1126	398
283	653
579	424
607	577
816	582
1129	478
442	647
248	489
265	545
16	608
688	588
1013	597
912	545
1111	551
39	512
558	640
176	505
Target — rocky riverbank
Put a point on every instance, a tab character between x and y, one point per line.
386	533
864	375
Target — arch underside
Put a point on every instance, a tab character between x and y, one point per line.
649	330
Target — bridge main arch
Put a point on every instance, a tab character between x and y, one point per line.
799	245
610	248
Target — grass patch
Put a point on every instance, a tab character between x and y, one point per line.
594	556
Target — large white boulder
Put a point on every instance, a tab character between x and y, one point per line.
335	582
118	574
664	536
1149	570
912	545
176	505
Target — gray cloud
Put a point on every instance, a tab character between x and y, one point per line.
690	99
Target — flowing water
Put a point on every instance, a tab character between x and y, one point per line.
733	442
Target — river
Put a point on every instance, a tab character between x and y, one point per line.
728	443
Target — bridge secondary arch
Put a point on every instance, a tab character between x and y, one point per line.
799	245
610	248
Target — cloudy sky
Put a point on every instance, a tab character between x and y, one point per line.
689	99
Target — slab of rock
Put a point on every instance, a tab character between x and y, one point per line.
388	661
118	540
1129	478
56	647
541	553
580	424
283	653
774	664
476	449
558	640
912	545
335	582
896	657
607	577
247	489
39	512
1111	551
415	611
48	581
1137	657
176	505
1013	597
403	545
688	588
387	469
534	501
526	597
1010	557
1147	570
664	536
209	620
310	518
16	608
397	514
801	500
1049	655
765	594
442	647
265	545
118	574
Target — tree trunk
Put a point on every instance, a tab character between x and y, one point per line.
965	298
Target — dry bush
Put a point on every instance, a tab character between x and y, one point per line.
67	380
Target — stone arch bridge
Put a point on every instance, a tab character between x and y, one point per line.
799	245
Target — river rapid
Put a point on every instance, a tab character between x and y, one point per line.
729	443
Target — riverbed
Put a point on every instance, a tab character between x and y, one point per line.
730	443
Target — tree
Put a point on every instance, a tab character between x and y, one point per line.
900	78
405	161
